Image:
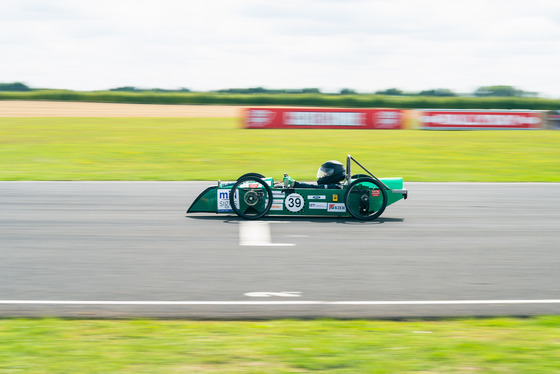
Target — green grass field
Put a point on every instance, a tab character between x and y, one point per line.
209	149
498	345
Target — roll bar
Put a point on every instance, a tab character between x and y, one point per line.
349	160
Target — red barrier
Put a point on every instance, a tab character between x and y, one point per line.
480	119
324	118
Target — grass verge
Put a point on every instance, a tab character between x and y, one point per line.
217	148
497	345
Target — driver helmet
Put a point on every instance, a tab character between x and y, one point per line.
331	172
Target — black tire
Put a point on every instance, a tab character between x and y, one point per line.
254	202
356	176
252	175
360	200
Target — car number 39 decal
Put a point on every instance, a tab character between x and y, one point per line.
294	202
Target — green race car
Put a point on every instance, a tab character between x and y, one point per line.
252	196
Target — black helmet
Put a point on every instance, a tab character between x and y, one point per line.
330	172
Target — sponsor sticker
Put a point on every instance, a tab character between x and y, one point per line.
336	207
223	200
335	197
375	193
278	201
278	194
317	205
277	206
253	184
316	197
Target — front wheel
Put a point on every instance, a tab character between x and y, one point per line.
365	198
250	197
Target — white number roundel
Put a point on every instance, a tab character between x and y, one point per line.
294	202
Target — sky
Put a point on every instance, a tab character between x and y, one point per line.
365	45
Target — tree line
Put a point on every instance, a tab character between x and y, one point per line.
485	91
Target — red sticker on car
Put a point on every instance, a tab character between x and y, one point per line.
375	193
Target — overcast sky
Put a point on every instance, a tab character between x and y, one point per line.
366	45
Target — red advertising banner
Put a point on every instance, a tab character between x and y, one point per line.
323	118
481	119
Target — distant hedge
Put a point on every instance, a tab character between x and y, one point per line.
319	100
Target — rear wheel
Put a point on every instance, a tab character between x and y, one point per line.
250	197
251	175
365	198
356	176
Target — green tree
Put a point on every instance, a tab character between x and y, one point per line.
125	89
390	91
311	91
16	86
499	91
444	92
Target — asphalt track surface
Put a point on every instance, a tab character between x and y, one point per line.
127	249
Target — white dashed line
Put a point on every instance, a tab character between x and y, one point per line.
270	294
257	233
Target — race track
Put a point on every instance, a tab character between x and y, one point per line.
127	249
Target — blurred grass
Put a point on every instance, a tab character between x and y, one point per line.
497	345
217	148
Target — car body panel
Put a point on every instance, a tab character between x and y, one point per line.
293	201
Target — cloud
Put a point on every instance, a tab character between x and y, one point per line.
361	44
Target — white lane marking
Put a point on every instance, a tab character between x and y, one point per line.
257	233
269	294
302	302
109	302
